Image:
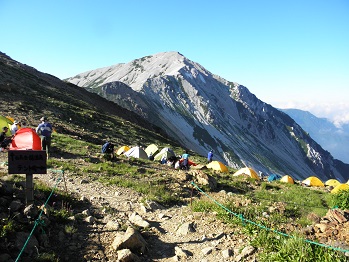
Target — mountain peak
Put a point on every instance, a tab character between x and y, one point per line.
135	72
204	111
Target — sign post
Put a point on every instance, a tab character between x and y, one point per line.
27	162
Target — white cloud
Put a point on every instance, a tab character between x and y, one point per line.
338	113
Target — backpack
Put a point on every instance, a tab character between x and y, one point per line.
108	148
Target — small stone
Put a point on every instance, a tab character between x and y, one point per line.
227	253
207	250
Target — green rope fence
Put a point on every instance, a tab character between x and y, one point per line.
38	221
243	220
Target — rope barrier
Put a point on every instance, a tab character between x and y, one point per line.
38	221
264	227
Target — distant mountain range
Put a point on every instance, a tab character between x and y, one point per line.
332	138
204	111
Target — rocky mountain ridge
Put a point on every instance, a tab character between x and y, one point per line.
204	111
323	131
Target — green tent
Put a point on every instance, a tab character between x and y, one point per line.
166	151
153	149
4	121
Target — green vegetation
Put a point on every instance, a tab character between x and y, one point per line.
272	214
280	249
341	199
46	257
6	227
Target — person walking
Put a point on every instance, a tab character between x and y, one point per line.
44	130
14	127
209	156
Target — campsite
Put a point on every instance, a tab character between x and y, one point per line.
132	190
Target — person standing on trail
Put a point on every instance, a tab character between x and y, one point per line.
185	163
209	156
44	130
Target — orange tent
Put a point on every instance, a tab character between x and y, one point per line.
26	139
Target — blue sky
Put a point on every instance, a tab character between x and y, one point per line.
288	53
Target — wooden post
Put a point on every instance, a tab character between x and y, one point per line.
29	189
27	162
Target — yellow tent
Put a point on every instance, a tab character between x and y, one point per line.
153	149
219	166
340	187
287	179
247	171
313	181
332	182
122	150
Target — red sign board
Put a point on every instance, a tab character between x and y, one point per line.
27	162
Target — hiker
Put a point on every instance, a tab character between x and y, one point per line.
261	175
177	165
163	159
151	157
171	161
14	127
108	150
44	130
5	140
185	162
209	156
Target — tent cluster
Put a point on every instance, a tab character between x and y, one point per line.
28	139
334	185
312	181
169	154
165	156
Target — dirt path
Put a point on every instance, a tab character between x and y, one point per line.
204	240
175	234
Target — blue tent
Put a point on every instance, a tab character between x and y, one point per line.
274	177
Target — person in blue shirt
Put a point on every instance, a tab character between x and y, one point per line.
44	130
185	162
209	156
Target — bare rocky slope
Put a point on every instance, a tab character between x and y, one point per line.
204	111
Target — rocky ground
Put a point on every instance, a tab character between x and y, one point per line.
171	234
117	224
113	215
